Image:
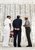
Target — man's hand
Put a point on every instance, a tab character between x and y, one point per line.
11	32
24	25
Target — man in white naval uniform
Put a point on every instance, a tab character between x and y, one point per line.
6	31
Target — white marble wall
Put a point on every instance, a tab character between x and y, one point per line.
16	9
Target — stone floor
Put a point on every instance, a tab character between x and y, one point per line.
17	48
23	43
11	45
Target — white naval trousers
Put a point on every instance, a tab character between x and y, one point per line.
6	34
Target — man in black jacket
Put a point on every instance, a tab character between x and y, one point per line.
17	23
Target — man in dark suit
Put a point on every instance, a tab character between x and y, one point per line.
17	23
28	30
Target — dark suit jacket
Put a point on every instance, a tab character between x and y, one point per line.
17	23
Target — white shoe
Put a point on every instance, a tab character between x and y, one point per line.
5	46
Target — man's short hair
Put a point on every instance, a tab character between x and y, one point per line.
26	18
18	16
8	16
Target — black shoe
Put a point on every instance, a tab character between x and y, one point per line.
19	45
29	46
14	46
